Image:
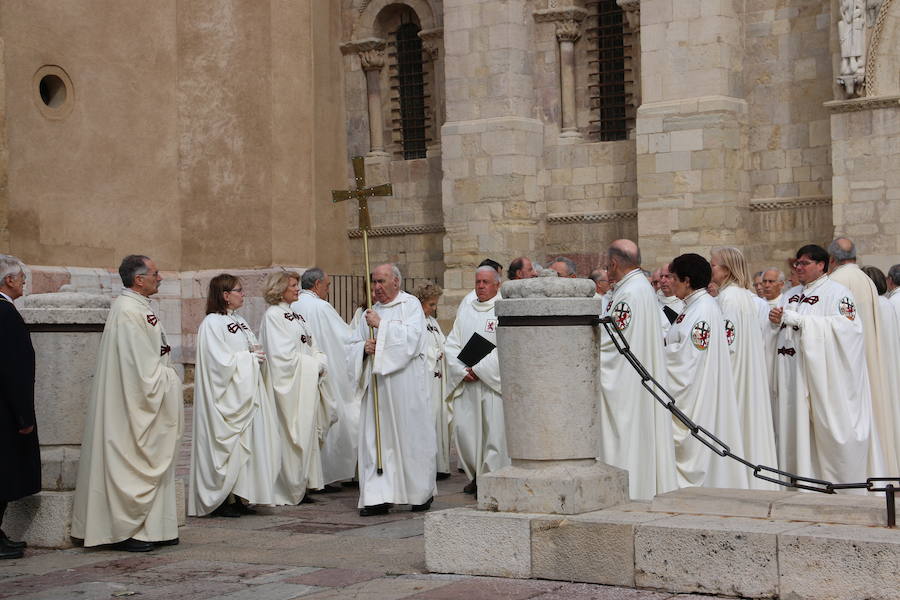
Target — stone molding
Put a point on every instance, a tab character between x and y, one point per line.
767	204
363	45
599	217
861	104
395	230
563	13
632	10
431	42
568	30
872	50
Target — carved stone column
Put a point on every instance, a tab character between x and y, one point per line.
371	58
632	10
432	41
568	30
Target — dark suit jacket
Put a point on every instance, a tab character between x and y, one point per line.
20	457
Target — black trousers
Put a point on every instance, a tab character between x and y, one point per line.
3	504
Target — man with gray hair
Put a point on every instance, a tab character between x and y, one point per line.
564	267
397	356
125	491
331	335
844	270
477	403
20	469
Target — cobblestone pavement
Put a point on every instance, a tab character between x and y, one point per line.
314	551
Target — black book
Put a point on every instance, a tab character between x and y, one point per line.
475	349
671	315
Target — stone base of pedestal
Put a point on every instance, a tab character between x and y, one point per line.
45	519
556	489
802	547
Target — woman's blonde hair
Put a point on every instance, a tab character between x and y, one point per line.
428	290
733	259
276	283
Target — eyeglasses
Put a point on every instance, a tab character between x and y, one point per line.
237	290
803	263
153	274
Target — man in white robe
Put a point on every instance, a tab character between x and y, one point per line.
701	381
332	335
823	407
397	354
636	431
844	270
477	403
670	305
125	491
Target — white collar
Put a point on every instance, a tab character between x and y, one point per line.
814	284
310	293
8	299
630	275
135	296
694	296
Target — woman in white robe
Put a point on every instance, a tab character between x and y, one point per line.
234	450
436	375
748	360
700	380
297	388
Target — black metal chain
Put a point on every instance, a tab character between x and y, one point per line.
888	485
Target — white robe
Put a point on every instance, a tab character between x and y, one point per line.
701	382
135	415
751	381
297	388
823	409
477	405
235	446
407	434
636	431
894	298
435	382
675	303
890	323
331	336
884	398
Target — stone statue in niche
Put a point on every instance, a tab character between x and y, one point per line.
873	7
852	36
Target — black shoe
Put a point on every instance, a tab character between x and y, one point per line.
307	499
471	488
377	509
172	542
242	508
422	507
7	553
5	541
442	476
350	484
133	545
330	489
226	510
460	470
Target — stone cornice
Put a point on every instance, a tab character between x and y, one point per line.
767	204
395	230
563	13
363	45
432	34
610	216
860	104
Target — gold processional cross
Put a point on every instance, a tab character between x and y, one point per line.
362	194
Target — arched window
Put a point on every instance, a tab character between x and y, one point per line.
409	108
612	102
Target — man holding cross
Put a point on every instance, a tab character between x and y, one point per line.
397	353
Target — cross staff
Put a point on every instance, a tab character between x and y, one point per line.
362	194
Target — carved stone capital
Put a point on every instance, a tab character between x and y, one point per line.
568	31
562	13
632	10
372	60
432	39
363	45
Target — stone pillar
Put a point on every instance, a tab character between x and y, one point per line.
491	144
692	130
567	33
632	9
65	329
432	40
371	58
552	428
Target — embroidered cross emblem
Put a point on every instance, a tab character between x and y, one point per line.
847	308
787	351
621	314
700	335
680	318
153	320
730	332
490	326
233	327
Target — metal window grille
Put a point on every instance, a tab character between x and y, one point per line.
348	292
409	110
611	75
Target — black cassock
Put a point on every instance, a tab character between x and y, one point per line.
20	456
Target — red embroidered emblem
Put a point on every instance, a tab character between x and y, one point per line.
787	351
290	316
306	339
809	300
847	308
730	333
700	335
163	350
680	318
794	298
621	314
153	320
490	326
233	328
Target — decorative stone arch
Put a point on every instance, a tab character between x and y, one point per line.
883	53
372	13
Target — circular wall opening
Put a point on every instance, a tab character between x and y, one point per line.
52	90
54	94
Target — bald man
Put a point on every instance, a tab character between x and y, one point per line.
636	430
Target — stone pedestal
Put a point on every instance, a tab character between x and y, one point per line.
551	414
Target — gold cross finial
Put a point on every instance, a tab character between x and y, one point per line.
362	193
